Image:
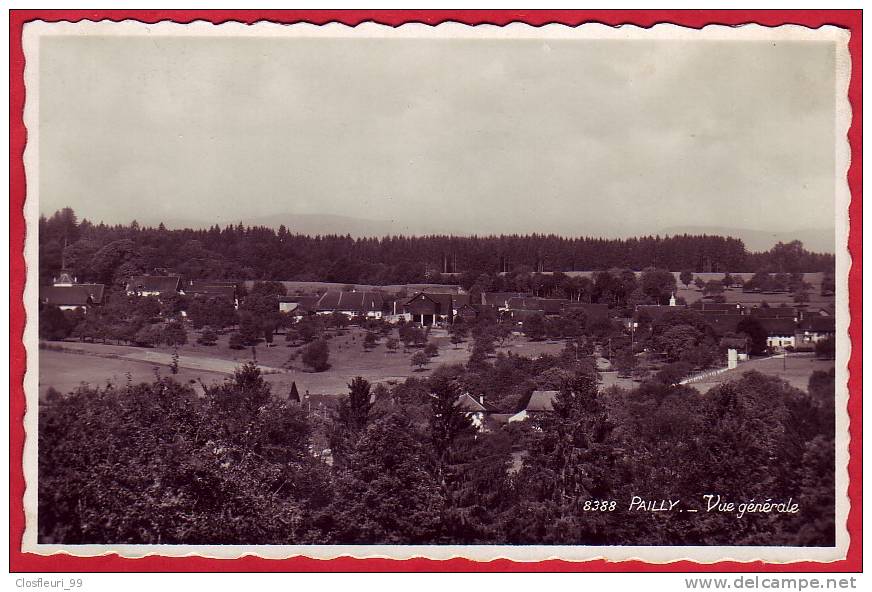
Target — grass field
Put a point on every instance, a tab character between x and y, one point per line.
67	371
99	364
96	363
796	370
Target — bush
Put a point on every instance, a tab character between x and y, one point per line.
825	348
148	336
420	359
236	341
53	324
317	356
207	337
370	341
673	373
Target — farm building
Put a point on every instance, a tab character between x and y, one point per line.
595	312
775	312
212	289
723	323
299	306
813	329
477	410
781	332
501	299
351	304
153	285
430	308
67	294
540	402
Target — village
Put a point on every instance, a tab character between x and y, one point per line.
311	340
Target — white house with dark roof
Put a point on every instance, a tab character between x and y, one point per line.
540	402
351	303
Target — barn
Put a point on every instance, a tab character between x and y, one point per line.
429	308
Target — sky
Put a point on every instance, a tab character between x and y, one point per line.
575	137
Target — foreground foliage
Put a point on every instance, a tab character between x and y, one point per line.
158	463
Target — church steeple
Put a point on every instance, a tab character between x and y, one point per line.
65	278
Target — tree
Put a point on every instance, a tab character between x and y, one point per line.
214	312
825	348
678	339
727	281
756	333
385	494
174	365
447	419
431	350
236	341
351	417
250	328
457	332
534	327
713	288
699	283
657	284
420	359
149	336
53	324
686	277
316	355
625	362
174	334
123	479
207	337
800	296
370	341
673	373
392	344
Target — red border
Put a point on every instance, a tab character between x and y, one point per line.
25	562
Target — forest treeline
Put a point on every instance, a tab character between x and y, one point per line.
107	254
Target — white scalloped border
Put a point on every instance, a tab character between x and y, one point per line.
445	30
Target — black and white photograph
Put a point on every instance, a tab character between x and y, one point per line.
437	291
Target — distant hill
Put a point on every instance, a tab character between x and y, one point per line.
819	240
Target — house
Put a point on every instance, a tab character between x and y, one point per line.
781	332
351	303
501	299
544	306
651	313
211	289
540	402
154	285
477	410
298	306
469	313
813	329
430	308
775	312
67	294
723	323
596	313
712	308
